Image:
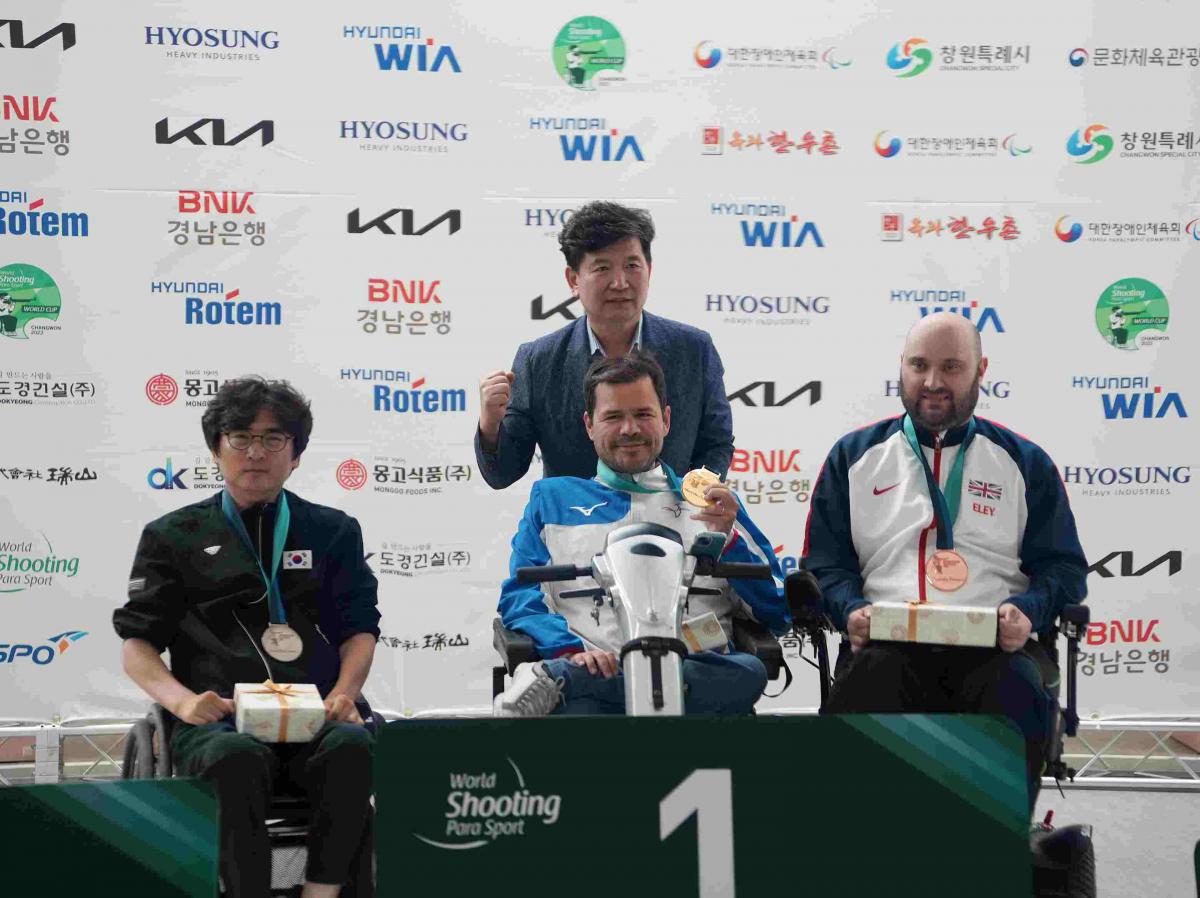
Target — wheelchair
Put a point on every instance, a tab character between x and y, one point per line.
148	756
1064	861
749	636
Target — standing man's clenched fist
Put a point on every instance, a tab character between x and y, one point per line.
495	391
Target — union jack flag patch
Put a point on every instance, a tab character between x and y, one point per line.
983	489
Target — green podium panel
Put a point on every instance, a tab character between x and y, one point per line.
124	838
715	807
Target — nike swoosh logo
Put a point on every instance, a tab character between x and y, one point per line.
587	512
880	492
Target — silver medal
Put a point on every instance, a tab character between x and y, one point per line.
282	642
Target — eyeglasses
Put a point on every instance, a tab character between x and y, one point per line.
272	442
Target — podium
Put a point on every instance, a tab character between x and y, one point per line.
892	805
129	837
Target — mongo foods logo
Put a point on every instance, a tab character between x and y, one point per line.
27	565
909	59
352	474
479	809
1089	145
162	389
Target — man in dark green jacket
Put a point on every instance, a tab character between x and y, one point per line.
250	585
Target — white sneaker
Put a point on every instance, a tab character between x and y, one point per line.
533	693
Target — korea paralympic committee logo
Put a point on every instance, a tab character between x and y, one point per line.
480	810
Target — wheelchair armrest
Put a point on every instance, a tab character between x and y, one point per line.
1073	623
138	761
804	601
164	767
513	647
1074	617
753	638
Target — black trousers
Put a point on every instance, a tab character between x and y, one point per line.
334	768
898	677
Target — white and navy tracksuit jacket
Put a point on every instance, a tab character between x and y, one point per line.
566	522
871	524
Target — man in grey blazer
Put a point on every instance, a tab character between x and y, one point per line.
607	248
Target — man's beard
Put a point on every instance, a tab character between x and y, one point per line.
957	414
622	468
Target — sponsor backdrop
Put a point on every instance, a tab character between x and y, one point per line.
365	203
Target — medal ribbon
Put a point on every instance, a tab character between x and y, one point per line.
282	520
611	478
945	505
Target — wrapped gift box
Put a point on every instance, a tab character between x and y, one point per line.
933	623
279	712
704	633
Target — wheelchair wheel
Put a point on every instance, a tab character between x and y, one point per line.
138	762
1064	863
1081	875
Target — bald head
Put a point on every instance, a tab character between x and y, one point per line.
941	369
950	331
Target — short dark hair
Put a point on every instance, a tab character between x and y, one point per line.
600	224
239	401
624	369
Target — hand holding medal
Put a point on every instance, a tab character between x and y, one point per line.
696	483
718	506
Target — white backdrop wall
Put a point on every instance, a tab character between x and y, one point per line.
998	219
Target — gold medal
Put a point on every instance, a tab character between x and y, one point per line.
946	570
282	642
694	484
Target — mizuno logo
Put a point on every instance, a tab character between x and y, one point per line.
213	550
880	492
587	512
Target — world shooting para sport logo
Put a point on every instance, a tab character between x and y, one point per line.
483	807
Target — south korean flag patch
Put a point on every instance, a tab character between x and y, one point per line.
297	560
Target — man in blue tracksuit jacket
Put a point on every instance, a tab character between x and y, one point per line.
566	522
874	528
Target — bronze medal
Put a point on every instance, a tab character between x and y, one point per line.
946	570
